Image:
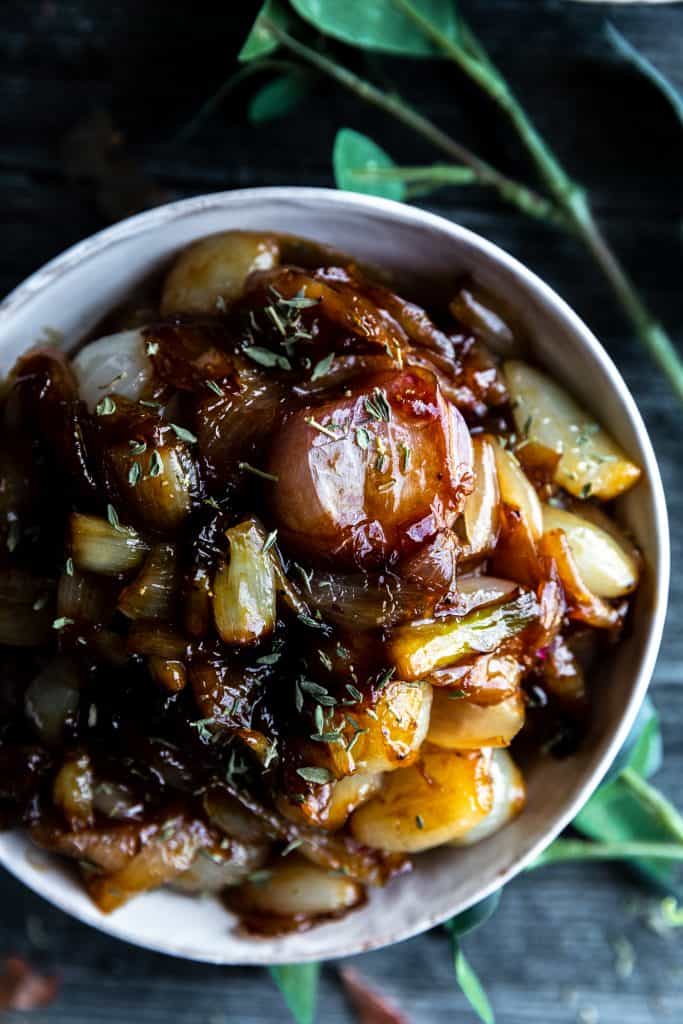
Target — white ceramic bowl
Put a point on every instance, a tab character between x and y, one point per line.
71	293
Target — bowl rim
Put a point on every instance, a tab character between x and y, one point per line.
127	230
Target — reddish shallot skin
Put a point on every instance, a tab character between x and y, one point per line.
355	487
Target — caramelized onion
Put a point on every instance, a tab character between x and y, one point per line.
72	790
52	700
100	547
383	469
152	593
244	589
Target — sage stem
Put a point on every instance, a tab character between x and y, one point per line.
471	57
580	849
655	802
525	199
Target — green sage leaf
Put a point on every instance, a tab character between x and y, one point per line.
474	916
261	41
471	986
277	97
354	158
380	24
616	813
647	68
298	984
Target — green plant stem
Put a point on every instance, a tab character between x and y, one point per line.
580	849
436	174
568	195
655	802
525	199
231	83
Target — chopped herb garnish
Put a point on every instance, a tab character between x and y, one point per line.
156	464
362	437
40	602
152	348
212	385
106	406
149	404
319	718
268	659
312	623
270	754
385	677
456	694
353	692
306	576
381	462
298	697
291	846
387	485
264	357
137	447
69	567
62	622
527	426
312	422
326	660
115	522
269	541
248	468
586	490
202	727
405	458
317	775
377	406
134	474
419	821
183	433
322	368
212	503
260	877
326	737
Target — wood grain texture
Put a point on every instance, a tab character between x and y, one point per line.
549	957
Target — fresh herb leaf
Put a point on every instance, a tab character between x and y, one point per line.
69	567
354	158
264	357
298	984
320	776
628	50
261	41
362	437
380	25
137	447
419	821
323	367
470	985
269	541
134	474
278	97
115	523
156	464
106	406
62	622
377	406
183	433
214	386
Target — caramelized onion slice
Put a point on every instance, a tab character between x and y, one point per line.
98	546
52	699
244	589
547	415
509	795
476	309
331	805
606	566
437	800
584	605
480	512
294	888
219	866
72	790
516	490
117	364
459	724
213	271
152	593
418	649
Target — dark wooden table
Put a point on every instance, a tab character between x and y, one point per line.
560	946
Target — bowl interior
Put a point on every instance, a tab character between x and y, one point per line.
70	295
